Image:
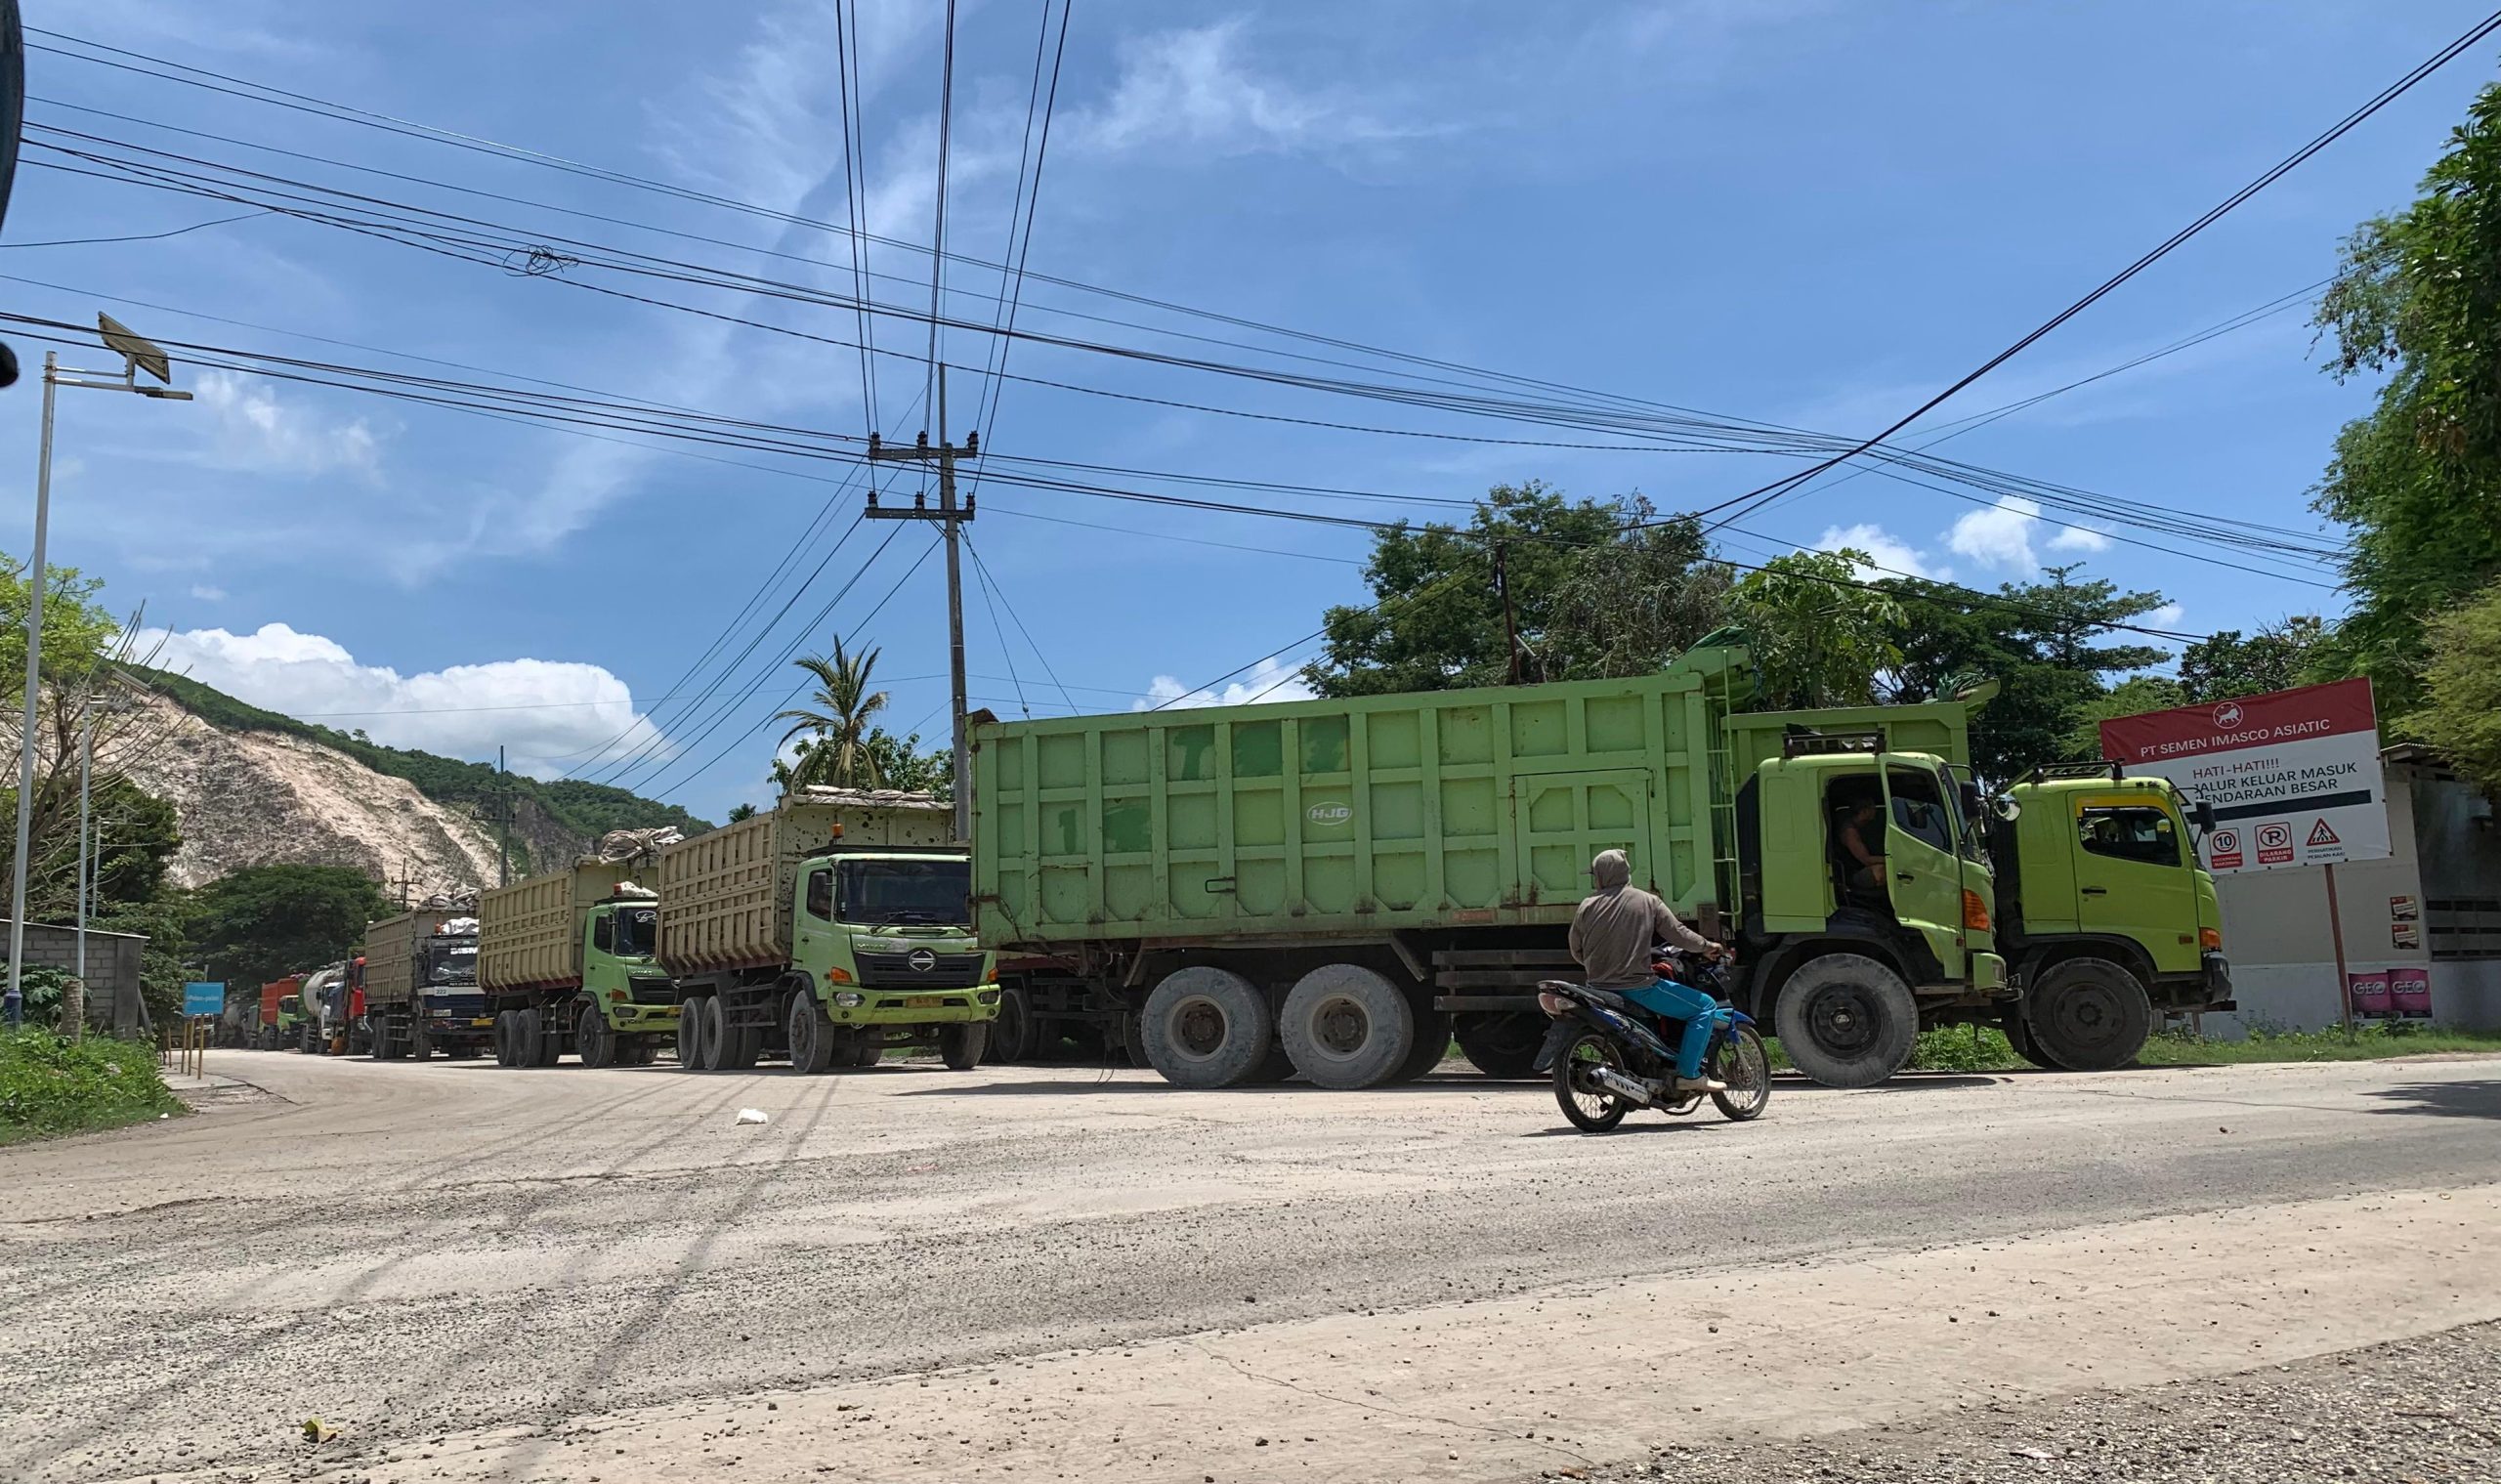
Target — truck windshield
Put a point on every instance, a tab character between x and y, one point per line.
637	929
906	891
455	965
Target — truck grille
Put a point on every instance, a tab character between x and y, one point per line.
894	971
653	989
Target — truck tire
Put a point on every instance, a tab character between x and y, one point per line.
529	1038
960	1047
690	1033
1347	1026
1133	1041
813	1038
593	1041
420	1045
1502	1044
2089	1015
503	1039
377	1042
1847	1020
1011	1034
728	1048
1206	1028
1432	1043
867	1047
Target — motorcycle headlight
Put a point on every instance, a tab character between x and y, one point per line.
1553	1004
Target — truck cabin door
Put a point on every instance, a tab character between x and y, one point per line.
2134	876
1922	861
813	924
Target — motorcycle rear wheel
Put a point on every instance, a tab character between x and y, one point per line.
1741	1061
1591	1109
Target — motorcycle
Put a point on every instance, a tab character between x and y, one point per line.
1610	1056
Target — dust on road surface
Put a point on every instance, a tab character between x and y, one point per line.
460	1250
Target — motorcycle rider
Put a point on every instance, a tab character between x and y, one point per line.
1614	931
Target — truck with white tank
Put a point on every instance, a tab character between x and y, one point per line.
829	930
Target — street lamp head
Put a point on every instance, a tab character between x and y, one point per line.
163	394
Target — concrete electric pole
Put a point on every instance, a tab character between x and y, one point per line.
949	517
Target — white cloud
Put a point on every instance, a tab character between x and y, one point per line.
207	594
1999	536
1270	680
1194	87
252	429
548	714
2166	616
2079	538
1892	556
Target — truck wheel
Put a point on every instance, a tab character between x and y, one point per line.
593	1041
1346	1027
2089	1015
728	1048
377	1041
420	1045
1433	1042
1134	1039
690	1033
1847	1020
529	1038
960	1047
813	1040
503	1037
2018	1035
867	1047
1206	1028
1502	1045
1011	1034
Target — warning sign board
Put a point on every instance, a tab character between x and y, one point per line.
2293	776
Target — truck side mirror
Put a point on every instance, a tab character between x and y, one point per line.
2004	806
2204	816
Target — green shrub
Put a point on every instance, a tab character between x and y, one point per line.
52	1085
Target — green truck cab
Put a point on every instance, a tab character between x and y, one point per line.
292	1023
2110	920
828	931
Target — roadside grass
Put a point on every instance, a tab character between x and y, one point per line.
50	1085
1984	1048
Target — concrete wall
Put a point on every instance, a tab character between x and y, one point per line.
113	971
2277	932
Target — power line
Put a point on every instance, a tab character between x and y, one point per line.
144	236
983	568
1748	502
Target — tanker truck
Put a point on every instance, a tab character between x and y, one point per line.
564	960
420	984
1335	887
827	931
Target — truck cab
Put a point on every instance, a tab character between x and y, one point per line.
619	975
2110	918
887	935
1854	956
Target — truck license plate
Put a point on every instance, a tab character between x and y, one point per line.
922	1001
483	1023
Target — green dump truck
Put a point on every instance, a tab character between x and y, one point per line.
565	962
1335	887
419	974
826	931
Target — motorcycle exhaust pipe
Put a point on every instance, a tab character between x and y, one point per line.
1623	1087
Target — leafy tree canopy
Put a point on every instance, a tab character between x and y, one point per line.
2418	481
835	723
2276	658
1819	634
2461	714
261	921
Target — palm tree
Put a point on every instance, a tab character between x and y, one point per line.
836	752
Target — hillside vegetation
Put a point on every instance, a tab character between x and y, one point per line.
584	809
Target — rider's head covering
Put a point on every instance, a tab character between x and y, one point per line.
1610	868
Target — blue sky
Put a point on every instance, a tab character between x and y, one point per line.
1813	214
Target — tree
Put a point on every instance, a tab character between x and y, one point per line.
2136	694
1819	635
1631	605
902	765
2418	298
2276	658
1436	621
740	813
2461	714
263	921
836	753
2049	645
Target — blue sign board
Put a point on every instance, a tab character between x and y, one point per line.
204	998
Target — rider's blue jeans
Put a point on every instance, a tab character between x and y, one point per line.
1672	1001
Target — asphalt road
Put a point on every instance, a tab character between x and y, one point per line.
408	1251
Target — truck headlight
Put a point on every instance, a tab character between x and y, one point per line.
986	997
849	1000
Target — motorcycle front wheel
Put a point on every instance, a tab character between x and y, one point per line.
1588	1104
1746	1067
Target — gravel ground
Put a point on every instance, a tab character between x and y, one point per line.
2418	1409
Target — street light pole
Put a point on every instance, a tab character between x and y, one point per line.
137	353
86	867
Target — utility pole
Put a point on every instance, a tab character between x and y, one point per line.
949	517
138	354
1510	621
503	822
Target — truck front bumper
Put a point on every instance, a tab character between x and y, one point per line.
916	1007
626	1016
1988	977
